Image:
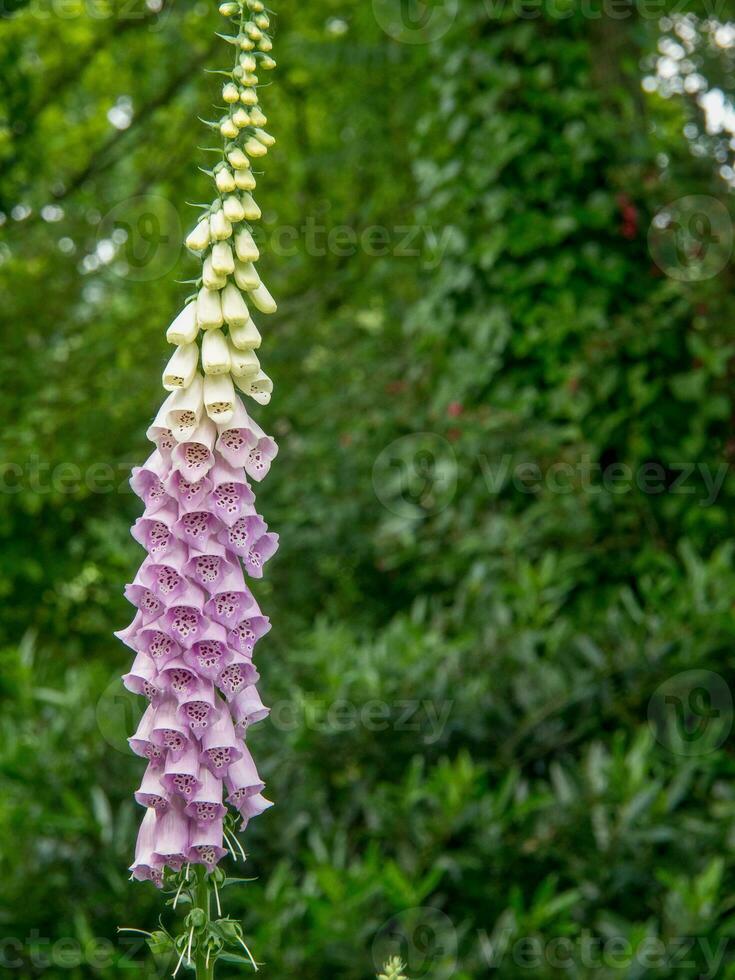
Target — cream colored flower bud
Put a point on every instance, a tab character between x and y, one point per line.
233	208
254	148
267	63
246	276
181	368
222	261
209	309
251	211
246	337
265	44
198	238
253	31
215	353
244	180
244	363
220	227
184	328
225	181
256	6
185	409
245	247
210	278
238	159
262	21
249	79
265	138
228	128
234	309
263	300
230	93
248	62
229	9
241	118
257	117
219	398
248	96
246	44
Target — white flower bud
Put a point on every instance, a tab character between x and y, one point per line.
231	93
245	337
244	364
198	238
241	118
266	44
223	263
249	79
219	398
181	368
184	328
215	353
246	44
234	309
229	9
219	226
209	309
210	278
257	117
265	138
253	31
225	181
254	148
262	21
248	62
238	159
245	247
244	180
263	300
256	6
228	128
246	276
251	211
249	96
267	63
185	410
233	209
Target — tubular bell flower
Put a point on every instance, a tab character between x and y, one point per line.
196	621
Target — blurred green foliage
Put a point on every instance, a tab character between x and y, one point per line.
479	643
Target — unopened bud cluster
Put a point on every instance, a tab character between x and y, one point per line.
229	287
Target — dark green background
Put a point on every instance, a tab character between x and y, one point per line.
553	623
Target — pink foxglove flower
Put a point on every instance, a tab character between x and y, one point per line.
197	622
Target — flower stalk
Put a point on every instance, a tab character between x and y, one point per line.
204	965
197	622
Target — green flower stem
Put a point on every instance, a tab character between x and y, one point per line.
203	971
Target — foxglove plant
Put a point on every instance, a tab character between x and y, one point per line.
197	622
